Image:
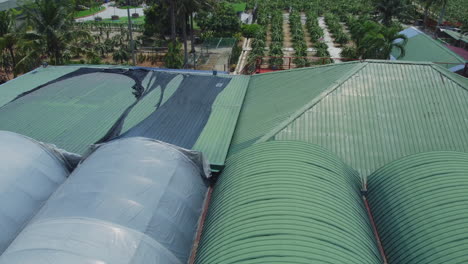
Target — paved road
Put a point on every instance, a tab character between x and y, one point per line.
110	11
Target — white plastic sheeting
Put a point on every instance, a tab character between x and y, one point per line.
29	174
132	201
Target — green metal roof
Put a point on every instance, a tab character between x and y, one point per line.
456	35
71	114
79	111
216	137
419	204
384	111
422	47
273	97
10	90
287	202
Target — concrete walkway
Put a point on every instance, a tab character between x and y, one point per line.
110	11
334	51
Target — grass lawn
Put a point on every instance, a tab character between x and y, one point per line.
128	7
122	20
195	25
239	7
89	12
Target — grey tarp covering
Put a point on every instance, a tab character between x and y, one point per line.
29	174
131	201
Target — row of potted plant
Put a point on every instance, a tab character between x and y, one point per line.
298	38
277	38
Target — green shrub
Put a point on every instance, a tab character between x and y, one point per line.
174	58
250	31
349	52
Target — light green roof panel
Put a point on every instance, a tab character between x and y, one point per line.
216	137
72	113
31	80
419	204
386	111
456	35
423	48
272	97
287	202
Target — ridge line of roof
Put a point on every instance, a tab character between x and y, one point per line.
444	48
309	68
400	62
442	70
312	103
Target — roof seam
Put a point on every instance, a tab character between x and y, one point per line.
311	104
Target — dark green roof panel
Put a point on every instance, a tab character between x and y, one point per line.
419	204
287	202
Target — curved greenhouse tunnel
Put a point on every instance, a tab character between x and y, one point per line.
137	200
131	201
287	202
29	174
420	207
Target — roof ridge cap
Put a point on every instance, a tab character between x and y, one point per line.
442	71
311	67
334	86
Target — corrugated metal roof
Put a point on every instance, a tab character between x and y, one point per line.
385	111
10	90
76	112
456	35
272	97
287	202
72	113
419	204
421	47
216	137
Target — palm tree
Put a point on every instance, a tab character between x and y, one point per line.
427	5
186	10
172	10
121	55
9	40
101	49
109	45
52	23
389	9
442	13
379	45
360	29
